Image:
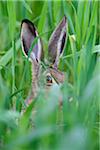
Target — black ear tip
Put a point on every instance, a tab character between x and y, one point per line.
26	21
64	18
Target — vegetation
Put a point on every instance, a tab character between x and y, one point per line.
44	125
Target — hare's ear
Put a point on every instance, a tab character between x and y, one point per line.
28	34
57	42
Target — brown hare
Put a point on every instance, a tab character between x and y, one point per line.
55	49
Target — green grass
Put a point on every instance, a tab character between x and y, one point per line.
76	126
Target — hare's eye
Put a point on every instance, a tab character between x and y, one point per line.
49	79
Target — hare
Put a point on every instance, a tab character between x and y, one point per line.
55	49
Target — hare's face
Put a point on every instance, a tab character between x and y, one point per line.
32	48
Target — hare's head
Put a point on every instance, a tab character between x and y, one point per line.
32	48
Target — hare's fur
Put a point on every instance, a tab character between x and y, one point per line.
55	48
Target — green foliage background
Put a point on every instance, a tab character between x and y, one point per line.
44	125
